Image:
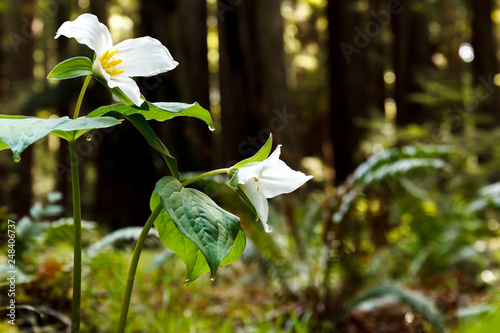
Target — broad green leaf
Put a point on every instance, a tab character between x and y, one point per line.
175	109
143	126
74	67
18	132
159	111
186	250
237	249
212	229
258	157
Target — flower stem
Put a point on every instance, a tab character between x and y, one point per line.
77	222
80	98
203	175
127	294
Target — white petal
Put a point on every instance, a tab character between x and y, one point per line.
249	172
259	202
128	87
87	30
280	179
273	158
144	56
256	169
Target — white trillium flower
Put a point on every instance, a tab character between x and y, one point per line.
116	64
260	181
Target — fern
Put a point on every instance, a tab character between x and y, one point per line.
129	233
159	259
391	164
401	167
347	200
391	156
489	196
417	302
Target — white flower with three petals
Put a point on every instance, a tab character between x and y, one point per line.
269	178
116	64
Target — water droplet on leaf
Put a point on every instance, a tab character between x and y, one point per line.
89	138
17	159
211	128
212	278
186	282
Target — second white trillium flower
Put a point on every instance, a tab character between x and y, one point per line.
116	64
271	177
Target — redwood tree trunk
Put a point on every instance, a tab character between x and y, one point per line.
412	55
485	62
255	99
19	74
348	98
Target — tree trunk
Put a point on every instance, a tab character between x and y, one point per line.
485	63
189	139
255	100
126	173
186	138
347	92
19	73
412	54
63	109
4	185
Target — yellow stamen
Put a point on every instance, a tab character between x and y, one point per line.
114	63
114	71
108	63
104	57
256	179
111	54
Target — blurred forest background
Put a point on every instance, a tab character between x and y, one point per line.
393	106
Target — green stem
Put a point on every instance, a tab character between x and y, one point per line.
127	294
80	98
77	220
203	175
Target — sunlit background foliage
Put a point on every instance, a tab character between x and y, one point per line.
397	117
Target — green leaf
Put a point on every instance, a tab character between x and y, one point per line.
186	250
143	126
74	67
174	109
261	155
159	111
212	229
18	132
3	145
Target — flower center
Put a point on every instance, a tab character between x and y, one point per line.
256	180
108	63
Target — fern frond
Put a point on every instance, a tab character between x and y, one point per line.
417	302
489	196
124	234
401	167
390	156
